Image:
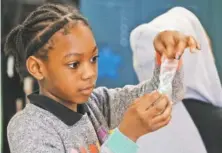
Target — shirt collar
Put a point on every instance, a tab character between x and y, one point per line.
65	114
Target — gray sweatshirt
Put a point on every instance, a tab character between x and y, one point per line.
45	126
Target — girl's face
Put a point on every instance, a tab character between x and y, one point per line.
71	69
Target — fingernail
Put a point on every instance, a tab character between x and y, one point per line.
194	50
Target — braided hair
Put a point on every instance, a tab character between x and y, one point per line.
33	35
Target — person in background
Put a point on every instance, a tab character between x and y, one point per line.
201	80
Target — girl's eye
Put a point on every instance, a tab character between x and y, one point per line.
95	59
74	65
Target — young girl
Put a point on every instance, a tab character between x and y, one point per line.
67	115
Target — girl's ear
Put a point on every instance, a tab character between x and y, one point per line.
36	67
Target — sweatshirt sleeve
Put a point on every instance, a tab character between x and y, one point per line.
114	102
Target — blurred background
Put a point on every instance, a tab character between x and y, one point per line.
111	21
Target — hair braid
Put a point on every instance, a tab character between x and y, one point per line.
46	19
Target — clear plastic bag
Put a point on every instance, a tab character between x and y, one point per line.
167	72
